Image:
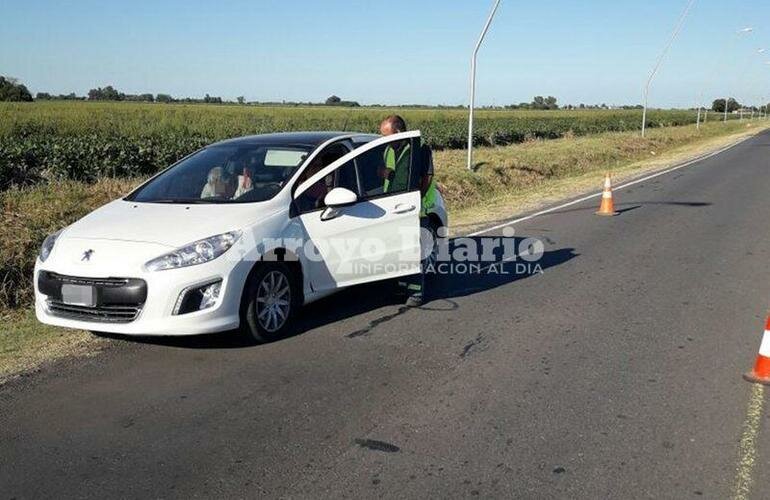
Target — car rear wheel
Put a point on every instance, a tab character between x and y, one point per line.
271	299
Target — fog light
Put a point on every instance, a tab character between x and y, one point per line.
210	295
198	298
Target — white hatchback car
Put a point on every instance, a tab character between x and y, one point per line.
239	235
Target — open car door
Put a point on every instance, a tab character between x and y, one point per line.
373	230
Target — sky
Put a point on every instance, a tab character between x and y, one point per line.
389	52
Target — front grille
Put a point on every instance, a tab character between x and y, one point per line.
118	300
102	314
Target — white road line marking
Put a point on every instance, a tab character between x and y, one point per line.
618	188
747	449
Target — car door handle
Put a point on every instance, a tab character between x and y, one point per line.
403	208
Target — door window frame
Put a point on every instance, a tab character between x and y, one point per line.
344	142
353	155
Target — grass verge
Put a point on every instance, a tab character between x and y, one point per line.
26	344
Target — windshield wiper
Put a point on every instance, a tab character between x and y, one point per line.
180	201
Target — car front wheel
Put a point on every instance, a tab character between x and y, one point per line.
271	300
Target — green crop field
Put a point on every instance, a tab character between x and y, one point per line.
89	140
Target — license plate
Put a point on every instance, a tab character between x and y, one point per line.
78	295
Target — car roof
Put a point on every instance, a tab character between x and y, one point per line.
313	139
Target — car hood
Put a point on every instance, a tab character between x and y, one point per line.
172	225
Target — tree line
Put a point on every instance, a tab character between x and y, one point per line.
551	103
733	105
109	93
11	89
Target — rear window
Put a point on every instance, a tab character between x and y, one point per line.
284	157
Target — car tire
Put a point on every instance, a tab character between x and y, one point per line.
270	302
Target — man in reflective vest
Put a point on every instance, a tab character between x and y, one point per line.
395	172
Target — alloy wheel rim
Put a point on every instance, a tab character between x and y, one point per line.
273	301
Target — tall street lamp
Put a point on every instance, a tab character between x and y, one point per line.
675	33
764	98
473	81
717	67
755	87
744	31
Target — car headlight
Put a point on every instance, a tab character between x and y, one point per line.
47	247
199	252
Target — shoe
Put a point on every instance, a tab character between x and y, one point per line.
414	300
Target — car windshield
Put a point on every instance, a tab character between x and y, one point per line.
243	173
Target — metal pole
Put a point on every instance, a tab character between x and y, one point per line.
701	107
727	101
473	82
675	33
726	49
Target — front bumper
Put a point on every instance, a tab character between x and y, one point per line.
155	313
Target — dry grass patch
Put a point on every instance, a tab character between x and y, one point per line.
28	215
26	344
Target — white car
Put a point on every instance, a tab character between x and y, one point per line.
239	235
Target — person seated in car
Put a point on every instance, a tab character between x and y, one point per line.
216	185
314	197
244	183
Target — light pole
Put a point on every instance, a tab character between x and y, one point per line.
756	88
697	125
717	66
761	52
675	33
473	81
727	102
766	103
727	99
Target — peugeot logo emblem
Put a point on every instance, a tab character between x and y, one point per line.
87	256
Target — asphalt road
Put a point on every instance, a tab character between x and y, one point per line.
614	373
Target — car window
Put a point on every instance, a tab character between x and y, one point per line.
380	171
385	169
225	174
313	197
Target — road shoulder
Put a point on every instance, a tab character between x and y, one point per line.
509	207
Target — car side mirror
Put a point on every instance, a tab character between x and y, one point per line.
336	199
340	197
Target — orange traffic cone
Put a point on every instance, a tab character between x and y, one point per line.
761	372
607	207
